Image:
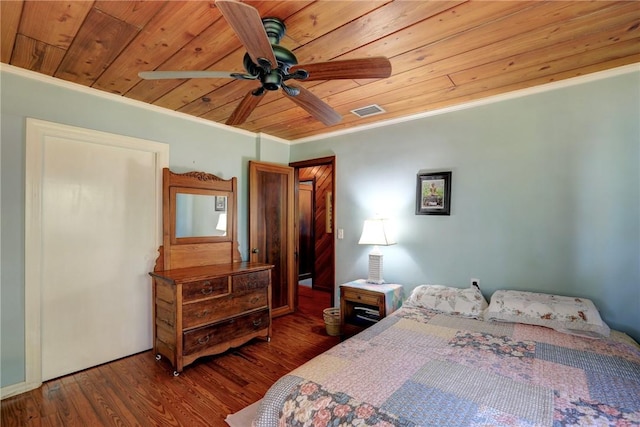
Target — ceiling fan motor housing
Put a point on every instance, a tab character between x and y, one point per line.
275	29
272	79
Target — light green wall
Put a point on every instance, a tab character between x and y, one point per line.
545	196
546	190
272	149
194	145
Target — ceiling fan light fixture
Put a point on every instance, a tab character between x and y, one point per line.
272	80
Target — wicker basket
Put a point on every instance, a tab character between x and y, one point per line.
332	320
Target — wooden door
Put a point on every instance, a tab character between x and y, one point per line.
271	229
305	230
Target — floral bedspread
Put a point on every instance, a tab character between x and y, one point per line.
421	368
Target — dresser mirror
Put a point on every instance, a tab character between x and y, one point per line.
200	216
199	220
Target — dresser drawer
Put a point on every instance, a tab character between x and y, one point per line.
362	297
249	281
200	339
205	288
209	311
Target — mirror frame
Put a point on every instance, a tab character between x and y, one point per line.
186	252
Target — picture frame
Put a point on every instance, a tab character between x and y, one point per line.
328	212
221	204
433	193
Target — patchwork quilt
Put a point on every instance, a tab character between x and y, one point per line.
418	367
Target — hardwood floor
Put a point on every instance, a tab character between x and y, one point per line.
140	391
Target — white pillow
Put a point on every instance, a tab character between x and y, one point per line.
467	302
577	316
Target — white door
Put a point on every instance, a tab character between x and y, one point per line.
99	239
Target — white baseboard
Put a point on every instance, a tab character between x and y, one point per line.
19	388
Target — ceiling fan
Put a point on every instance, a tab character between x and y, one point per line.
273	65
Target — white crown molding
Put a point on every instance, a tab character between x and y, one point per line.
262	135
626	69
489	100
117	98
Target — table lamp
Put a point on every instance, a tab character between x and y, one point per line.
222	223
376	232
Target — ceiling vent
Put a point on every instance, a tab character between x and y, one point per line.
369	110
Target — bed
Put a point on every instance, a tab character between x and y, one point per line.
447	358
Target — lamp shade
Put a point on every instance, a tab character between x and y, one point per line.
377	232
222	222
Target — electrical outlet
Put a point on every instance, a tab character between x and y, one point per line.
475	282
340	233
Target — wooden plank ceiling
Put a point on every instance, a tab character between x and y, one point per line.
443	53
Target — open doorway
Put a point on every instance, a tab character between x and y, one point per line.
315	181
306	236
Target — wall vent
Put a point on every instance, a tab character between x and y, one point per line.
369	110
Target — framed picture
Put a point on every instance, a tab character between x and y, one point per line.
433	193
221	203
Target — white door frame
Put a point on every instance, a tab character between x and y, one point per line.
37	131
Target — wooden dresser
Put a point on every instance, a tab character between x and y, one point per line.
201	311
206	300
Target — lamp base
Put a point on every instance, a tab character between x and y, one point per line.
375	268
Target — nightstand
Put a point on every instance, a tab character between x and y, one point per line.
362	304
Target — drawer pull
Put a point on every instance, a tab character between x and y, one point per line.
359	297
208	289
255	300
203	340
257	322
202	314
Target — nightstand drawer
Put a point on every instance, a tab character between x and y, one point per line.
362	296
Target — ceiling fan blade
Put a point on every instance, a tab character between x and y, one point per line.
246	106
160	75
247	24
363	68
315	106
